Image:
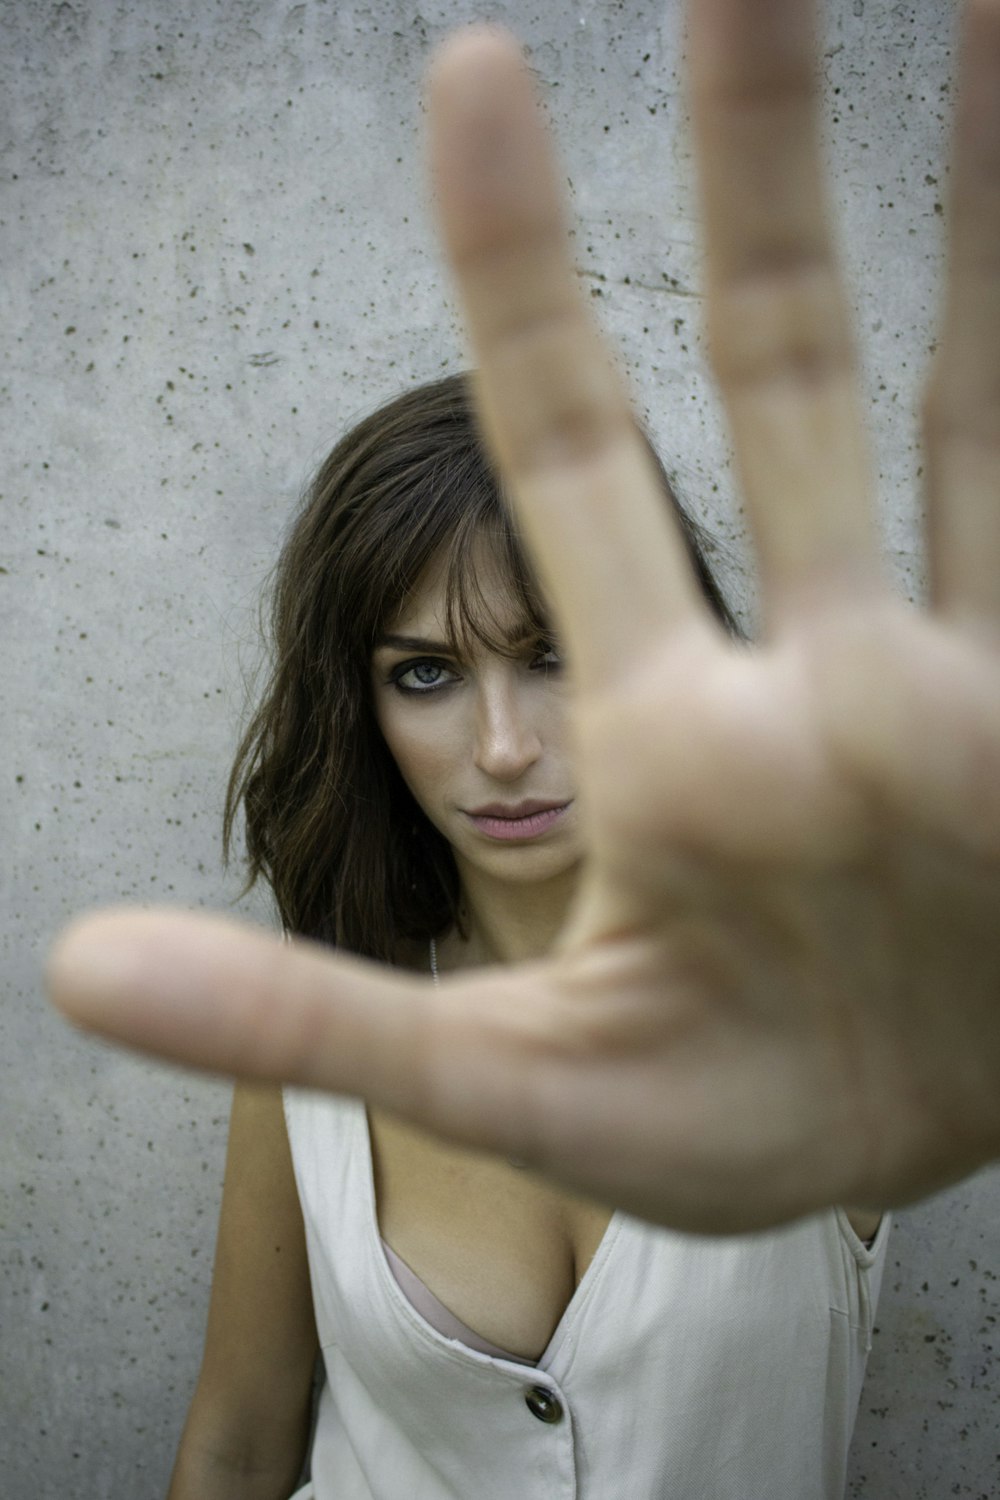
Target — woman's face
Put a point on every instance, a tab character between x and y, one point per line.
480	738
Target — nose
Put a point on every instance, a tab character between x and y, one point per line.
507	741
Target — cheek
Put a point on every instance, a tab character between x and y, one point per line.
423	750
554	725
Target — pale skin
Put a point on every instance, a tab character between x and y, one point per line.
778	987
478	728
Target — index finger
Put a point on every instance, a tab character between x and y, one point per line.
554	410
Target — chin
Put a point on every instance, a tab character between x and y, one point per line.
529	866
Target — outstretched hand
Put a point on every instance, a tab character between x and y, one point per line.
780	987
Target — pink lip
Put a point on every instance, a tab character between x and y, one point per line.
525	820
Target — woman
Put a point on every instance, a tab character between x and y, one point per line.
408	792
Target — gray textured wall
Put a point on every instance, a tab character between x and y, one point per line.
216	253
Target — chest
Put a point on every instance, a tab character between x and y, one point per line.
502	1250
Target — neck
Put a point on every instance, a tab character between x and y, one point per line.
508	923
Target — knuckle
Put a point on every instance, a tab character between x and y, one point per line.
784	321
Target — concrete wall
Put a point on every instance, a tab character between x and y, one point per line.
216	254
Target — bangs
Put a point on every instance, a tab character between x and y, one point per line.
516	613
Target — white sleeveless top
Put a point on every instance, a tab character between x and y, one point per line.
684	1367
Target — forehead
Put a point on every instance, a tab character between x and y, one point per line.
472	596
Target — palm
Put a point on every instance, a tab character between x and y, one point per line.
763	955
778	989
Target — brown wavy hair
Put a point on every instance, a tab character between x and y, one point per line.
329	822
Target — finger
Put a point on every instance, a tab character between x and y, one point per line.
204	991
214	995
554	410
962	405
777	315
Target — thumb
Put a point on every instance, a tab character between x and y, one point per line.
218	995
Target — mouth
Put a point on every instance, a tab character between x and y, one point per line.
526	820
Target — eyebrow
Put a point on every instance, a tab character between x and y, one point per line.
414	643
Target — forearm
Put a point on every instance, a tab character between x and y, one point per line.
216	1461
203	1476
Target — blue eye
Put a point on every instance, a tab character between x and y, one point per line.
424	676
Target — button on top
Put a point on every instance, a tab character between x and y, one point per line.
543	1404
